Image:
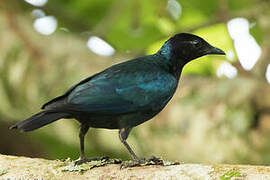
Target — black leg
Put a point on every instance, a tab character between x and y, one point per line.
123	135
83	130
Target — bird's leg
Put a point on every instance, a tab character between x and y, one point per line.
83	130
123	135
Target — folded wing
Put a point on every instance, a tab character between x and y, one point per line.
118	90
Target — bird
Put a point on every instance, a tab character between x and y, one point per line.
124	95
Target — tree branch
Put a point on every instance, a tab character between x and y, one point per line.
12	167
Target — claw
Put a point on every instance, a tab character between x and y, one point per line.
143	162
85	160
155	160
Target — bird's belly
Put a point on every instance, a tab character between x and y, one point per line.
116	121
122	120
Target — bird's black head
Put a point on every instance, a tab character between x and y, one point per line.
188	47
185	47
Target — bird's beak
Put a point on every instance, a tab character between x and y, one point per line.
214	50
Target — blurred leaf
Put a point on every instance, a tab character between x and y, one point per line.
240	4
192	18
229	175
166	26
256	31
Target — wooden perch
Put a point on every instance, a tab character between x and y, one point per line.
13	167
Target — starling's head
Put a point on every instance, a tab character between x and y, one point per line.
186	47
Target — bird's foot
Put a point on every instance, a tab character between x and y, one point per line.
85	160
143	162
155	161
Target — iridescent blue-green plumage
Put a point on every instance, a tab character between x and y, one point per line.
123	95
126	94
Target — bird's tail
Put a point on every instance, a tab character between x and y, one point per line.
38	120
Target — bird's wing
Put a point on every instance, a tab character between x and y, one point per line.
59	98
121	91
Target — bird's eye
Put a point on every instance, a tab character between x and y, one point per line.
196	43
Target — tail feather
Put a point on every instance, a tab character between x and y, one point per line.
38	120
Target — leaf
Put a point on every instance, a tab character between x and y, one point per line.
229	175
4	171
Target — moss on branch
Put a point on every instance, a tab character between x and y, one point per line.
13	167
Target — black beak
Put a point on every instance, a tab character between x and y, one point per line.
214	50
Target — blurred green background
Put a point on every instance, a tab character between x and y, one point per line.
220	113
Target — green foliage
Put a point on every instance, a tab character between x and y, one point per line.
3	171
229	175
241	4
256	31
